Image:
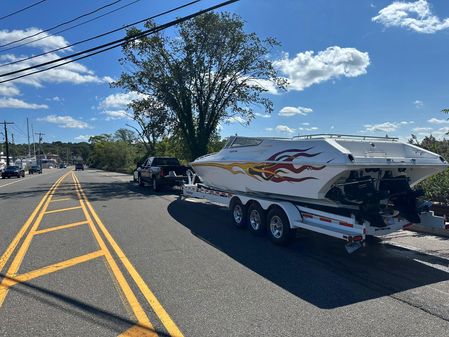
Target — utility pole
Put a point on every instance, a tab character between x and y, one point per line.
13	148
34	143
6	141
40	134
28	133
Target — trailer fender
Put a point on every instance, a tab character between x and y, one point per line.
289	208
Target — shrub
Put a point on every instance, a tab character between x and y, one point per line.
436	187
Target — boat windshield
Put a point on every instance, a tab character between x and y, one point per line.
245	141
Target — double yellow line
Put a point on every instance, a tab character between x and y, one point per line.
143	326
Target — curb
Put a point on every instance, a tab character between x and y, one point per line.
439	210
432	231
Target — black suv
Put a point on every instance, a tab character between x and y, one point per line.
35	169
13	171
79	166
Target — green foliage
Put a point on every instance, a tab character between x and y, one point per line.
436	187
112	155
210	71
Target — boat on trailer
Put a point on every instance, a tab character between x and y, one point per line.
370	179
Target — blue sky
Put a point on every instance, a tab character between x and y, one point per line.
354	66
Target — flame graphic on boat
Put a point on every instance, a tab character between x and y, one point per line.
276	172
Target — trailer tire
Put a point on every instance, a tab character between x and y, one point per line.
279	229
238	212
256	219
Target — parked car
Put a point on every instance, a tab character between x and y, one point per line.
62	166
161	171
13	171
79	167
35	169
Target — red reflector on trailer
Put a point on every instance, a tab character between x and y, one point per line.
306	215
357	238
342	223
325	219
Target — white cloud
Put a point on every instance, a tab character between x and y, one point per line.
438	121
415	16
258	114
236	119
289	111
312	128
55	99
116	114
267	85
120	100
440	133
8	90
83	138
13	103
385	127
65	122
284	129
93	119
49	43
421	129
418	104
74	73
308	68
269	129
305	124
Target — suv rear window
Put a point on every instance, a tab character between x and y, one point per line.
165	162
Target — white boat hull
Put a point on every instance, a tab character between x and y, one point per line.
373	176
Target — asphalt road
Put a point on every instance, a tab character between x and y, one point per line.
93	254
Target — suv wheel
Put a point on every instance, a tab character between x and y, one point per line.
140	181
155	185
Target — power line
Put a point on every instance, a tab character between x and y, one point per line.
108	46
71	27
19	130
103	34
21	10
63	23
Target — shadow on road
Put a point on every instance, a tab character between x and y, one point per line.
96	191
315	268
75	307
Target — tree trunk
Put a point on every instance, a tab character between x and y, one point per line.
198	147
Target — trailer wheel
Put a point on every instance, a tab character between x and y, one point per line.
256	219
279	227
238	211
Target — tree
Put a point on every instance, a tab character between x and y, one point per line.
210	71
153	121
125	135
446	111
